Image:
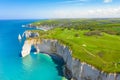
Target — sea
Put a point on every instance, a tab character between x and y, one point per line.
34	66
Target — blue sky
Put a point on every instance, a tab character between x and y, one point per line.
37	9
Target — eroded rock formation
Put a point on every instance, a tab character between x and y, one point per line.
75	69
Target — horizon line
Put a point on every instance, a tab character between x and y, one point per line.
60	18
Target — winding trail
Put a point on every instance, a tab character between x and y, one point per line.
93	55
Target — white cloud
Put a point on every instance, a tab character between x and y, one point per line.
107	1
107	12
95	13
75	13
69	13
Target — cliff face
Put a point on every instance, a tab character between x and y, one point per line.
75	69
26	48
29	34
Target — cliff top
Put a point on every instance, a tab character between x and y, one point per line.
95	47
110	26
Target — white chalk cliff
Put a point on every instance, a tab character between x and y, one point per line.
75	69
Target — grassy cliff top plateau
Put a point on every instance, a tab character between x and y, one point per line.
110	26
89	40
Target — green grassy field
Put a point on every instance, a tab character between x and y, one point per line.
110	26
103	51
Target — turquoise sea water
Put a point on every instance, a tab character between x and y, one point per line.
33	67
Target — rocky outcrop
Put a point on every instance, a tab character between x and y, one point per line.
29	34
28	45
41	27
26	48
74	68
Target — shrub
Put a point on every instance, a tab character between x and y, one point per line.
91	33
111	32
76	35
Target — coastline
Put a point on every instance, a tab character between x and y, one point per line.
84	70
75	69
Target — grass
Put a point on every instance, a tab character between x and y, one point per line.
103	52
110	26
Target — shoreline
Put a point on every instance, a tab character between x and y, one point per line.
73	65
103	74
